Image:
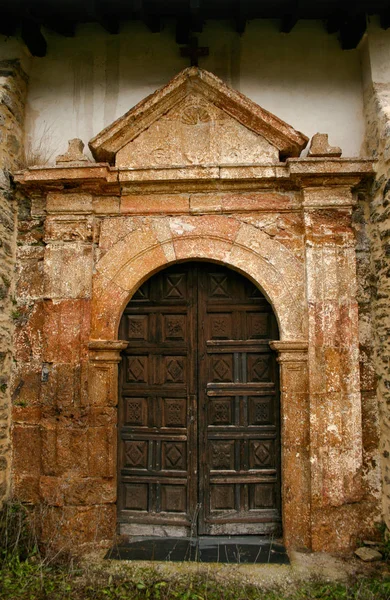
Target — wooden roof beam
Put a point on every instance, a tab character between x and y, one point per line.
385	19
352	31
183	30
288	22
241	16
33	38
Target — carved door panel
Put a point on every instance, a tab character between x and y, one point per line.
157	462
199	417
239	412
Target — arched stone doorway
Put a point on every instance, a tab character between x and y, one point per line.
199	418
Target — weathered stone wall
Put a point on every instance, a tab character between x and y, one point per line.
377	101
13	88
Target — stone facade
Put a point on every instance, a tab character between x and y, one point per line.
13	88
288	226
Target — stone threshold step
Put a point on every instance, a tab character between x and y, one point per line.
226	549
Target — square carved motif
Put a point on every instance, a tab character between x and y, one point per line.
174	498
174	328
220	411
137	327
136	496
174	412
136	411
221	455
222	497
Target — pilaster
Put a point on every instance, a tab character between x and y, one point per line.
295	441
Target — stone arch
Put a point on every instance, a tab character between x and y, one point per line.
156	243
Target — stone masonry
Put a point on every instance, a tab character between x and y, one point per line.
377	103
13	88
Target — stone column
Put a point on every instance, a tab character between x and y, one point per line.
335	403
295	435
13	89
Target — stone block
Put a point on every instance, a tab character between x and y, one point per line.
26	384
29	282
69	229
70	527
26	443
114	229
90	491
50	490
102	443
167	204
72	203
109	300
140	267
25	488
29	332
240	202
67	324
106	205
72	453
62	388
68	271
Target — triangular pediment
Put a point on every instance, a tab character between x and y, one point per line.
196	119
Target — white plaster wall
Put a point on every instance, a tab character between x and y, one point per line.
378	46
86	82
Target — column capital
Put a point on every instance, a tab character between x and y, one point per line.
290	350
106	350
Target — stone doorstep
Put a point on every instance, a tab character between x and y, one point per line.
303	567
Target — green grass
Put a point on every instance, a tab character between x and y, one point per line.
37	580
27	574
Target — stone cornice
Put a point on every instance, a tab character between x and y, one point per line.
100	178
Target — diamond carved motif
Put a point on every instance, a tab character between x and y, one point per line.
136	454
175	370
174	456
262	453
136	370
259	369
221	370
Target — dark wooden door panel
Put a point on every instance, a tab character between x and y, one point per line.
239	421
157	478
199	413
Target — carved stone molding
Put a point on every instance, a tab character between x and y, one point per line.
107	351
290	350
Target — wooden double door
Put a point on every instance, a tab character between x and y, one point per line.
199	433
